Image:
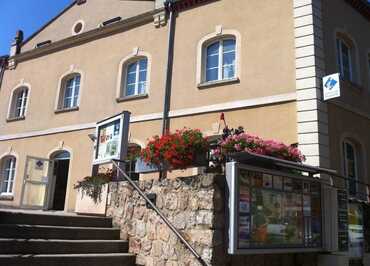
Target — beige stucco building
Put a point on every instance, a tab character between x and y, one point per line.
259	62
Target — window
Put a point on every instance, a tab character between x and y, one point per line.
70	92
78	27
136	77
7	175
351	166
18	103
345	60
220	60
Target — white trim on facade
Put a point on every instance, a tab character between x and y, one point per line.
275	99
10	153
72	70
70	167
75	24
312	117
121	76
21	84
218	34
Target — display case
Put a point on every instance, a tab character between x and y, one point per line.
273	211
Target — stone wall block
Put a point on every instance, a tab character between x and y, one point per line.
206	199
131	227
163	232
205	218
134	245
157	248
171	201
183	199
146	246
194	203
140	229
179	220
139	212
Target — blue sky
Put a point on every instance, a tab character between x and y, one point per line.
27	15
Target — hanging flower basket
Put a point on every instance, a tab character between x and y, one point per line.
180	150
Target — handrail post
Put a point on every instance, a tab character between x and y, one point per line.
164	218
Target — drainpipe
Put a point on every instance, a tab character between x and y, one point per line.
169	4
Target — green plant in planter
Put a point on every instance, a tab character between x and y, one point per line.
92	185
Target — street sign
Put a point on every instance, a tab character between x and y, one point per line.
331	86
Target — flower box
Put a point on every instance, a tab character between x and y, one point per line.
200	160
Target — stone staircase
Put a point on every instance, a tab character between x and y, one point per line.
55	239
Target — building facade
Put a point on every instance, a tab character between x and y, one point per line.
259	62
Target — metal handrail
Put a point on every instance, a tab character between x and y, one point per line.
164	218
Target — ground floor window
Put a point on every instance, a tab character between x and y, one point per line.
278	211
7	175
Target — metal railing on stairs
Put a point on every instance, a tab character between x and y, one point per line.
164	218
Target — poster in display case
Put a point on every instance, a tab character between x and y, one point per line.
272	211
111	138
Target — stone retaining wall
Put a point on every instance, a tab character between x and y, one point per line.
196	206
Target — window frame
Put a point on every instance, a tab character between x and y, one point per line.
356	164
135	60
220	65
339	45
75	99
11	175
23	93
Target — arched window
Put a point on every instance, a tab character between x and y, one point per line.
18	103
135	81
346	58
219	62
69	92
7	175
351	166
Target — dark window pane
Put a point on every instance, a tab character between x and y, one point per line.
212	74
229	45
130	89
143	64
213	49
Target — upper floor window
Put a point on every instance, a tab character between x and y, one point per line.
346	58
18	103
220	60
136	77
70	91
7	175
351	169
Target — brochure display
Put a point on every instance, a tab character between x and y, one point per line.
112	135
272	211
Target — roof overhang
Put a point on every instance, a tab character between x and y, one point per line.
361	6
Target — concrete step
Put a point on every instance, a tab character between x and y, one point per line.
114	259
23	231
57	246
52	218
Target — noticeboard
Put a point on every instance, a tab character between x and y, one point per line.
272	211
342	220
111	138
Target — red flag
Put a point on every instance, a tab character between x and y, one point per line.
222	117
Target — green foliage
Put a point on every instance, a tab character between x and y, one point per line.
92	185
